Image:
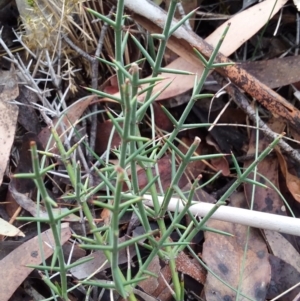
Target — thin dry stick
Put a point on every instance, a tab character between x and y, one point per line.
242	101
95	71
182	15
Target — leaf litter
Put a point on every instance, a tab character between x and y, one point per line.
250	263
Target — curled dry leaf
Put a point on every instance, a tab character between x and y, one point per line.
165	173
163	292
184	265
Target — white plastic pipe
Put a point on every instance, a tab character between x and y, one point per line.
261	220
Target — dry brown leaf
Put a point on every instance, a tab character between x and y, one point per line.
73	113
104	132
276	72
8	116
283	249
13	269
163	292
224	255
220	164
28	116
284	276
195	168
185	265
161	120
165	174
150	284
297	297
292	181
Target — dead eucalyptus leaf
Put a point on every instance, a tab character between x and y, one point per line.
69	120
8	116
8	229
276	72
13	267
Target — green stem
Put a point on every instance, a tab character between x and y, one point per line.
54	224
